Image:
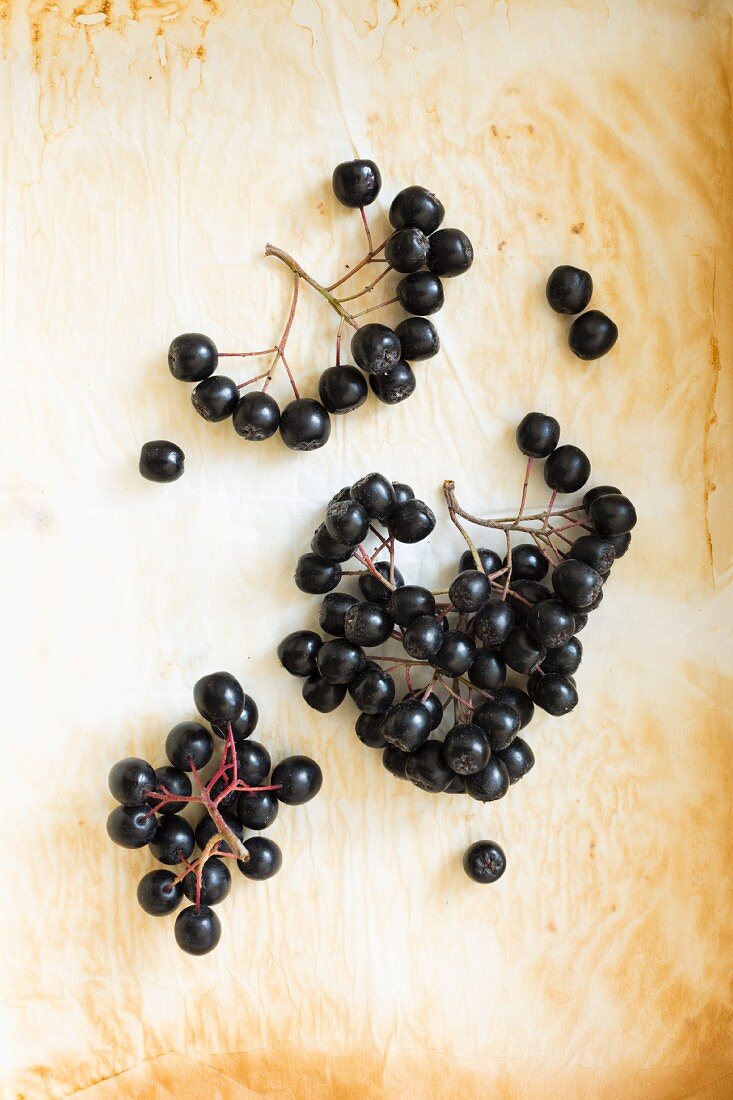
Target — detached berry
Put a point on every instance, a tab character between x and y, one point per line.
161	460
569	289
592	335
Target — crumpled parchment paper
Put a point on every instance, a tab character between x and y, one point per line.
149	152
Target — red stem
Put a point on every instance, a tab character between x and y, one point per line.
524	488
249	381
373	309
243	354
367	230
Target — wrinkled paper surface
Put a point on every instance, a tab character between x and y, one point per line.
150	150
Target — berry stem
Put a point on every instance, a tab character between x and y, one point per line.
361	555
508	577
244	354
367	289
379	305
368	259
538	543
339	335
456	696
249	381
367	230
395	661
524	488
450	499
290	375
272	250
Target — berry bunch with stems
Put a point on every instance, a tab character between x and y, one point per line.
417	248
236	796
494	644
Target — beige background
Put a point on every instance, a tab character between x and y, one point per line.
150	150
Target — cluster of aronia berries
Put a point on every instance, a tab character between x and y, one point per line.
569	291
236	796
418	249
495	644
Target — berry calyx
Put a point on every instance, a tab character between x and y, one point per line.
484	861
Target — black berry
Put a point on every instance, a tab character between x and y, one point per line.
466	749
567	469
131	780
298	651
411	522
316	575
396	385
257	416
215	398
407	250
323	696
612	515
491	783
538	435
451	253
416	207
333	612
192	357
418	339
173	840
265	859
569	289
158	893
342	389
376	348
421	293
197	931
484	861
304	425
218	697
299	778
427	768
161	460
356	182
592	335
189	745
